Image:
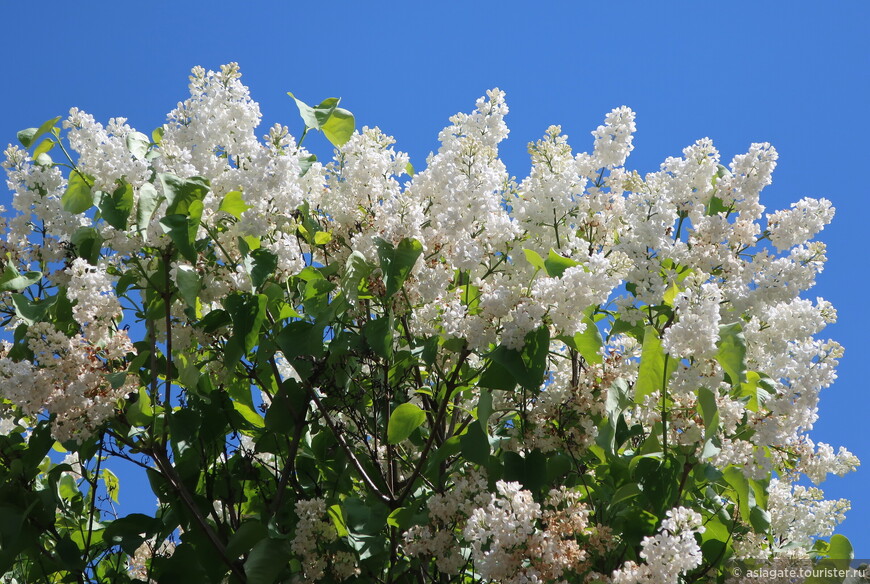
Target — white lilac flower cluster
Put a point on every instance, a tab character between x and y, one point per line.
673	551
314	533
69	376
516	540
688	239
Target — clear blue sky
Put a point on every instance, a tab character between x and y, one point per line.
796	74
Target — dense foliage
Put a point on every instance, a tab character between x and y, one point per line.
352	372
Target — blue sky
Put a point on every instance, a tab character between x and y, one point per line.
796	74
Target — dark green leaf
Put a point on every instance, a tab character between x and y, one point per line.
378	334
182	230
181	193
115	208
475	445
527	366
397	262
530	470
248	312
301	338
87	243
261	264
496	376
130	531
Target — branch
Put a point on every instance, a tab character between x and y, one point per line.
347	450
168	471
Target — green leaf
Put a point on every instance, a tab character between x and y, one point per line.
525	367
716	206
589	342
336	123
556	264
671	294
356	269
301	338
130	531
655	366
534	258
182	230
182	193
338	521
496	376
157	135
139	412
29	136
314	116
77	198
759	519
405	419
115	208
29	311
305	164
87	243
149	200
397	262
322	237
138	144
261	264
732	352
529	470
339	127
624	493
189	284
44	147
14	281
840	548
401	517
737	480
709	411
379	336
475	445
758	388
247	312
246	537
249	414
110	480
234	204
484	407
